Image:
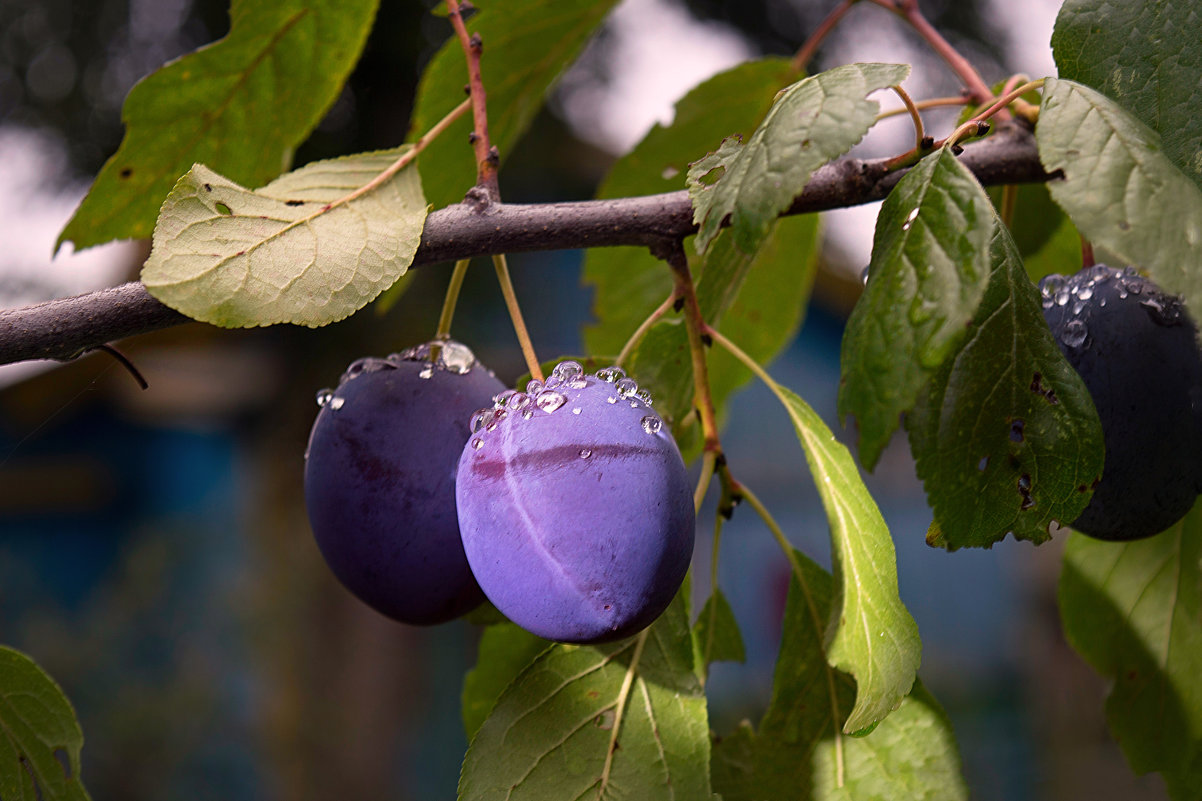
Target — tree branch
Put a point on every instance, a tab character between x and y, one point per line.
63	329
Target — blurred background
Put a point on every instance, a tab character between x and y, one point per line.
155	556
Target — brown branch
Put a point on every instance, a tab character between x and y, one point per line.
486	155
64	328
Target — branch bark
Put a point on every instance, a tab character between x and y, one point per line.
65	328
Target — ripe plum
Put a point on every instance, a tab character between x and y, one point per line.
575	506
1136	349
380	479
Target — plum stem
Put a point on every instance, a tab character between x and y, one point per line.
643	328
473	48
451	299
515	314
815	619
620	710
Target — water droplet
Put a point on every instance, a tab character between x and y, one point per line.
627	387
368	364
480	419
549	401
477	443
981	465
585	453
497	417
611	399
645	397
568	370
651	424
527	414
517	401
337	402
576	411
1085	292
1016	430
534	386
864	275
417	353
913	215
455	357
1074	334
500	400
1062	296
611	375
324	395
1078	307
427	371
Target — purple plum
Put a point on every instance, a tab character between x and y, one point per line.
1136	348
380	479
575	507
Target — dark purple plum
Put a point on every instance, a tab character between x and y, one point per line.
575	507
380	480
1136	349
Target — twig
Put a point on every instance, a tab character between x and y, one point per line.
486	156
810	47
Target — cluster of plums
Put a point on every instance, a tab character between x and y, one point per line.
1137	351
567	504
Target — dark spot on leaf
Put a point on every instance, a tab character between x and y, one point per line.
1082	488
1047	393
1016	429
208	187
1024	490
1132	675
126	172
294	202
61	755
1124	225
1015	462
223	209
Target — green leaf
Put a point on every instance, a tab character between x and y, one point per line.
505	650
815	120
1005	438
871	635
929	268
1134	612
629	283
1121	190
1147	57
549	735
240	105
302	249
795	753
38	728
527	46
718	631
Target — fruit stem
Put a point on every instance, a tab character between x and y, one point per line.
818	623
694	324
708	461
810	46
486	156
644	327
515	314
451	299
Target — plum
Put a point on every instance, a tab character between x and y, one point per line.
575	507
380	479
1136	349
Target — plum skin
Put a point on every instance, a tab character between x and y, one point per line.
1136	349
380	486
577	522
